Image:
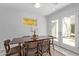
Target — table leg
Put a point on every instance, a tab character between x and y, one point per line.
20	49
52	44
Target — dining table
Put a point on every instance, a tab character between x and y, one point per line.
21	40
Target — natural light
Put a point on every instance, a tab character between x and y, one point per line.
55	29
68	30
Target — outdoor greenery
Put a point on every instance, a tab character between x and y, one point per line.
72	28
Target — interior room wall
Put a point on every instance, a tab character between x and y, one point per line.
69	10
11	24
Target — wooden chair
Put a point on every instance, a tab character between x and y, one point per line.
44	47
9	50
51	40
30	48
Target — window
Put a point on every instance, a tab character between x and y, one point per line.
68	30
54	29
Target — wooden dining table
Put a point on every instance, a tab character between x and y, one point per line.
24	39
21	40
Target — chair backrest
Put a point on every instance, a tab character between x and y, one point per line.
30	47
7	45
31	44
46	43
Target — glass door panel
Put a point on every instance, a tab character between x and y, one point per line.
68	30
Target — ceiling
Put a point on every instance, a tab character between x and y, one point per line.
45	9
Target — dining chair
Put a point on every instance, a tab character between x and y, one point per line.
51	40
44	47
11	50
30	48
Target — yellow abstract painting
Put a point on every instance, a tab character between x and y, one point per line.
29	21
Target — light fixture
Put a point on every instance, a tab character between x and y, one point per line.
37	5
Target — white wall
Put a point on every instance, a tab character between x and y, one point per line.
11	24
70	10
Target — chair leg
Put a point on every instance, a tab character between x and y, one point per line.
49	50
37	54
19	49
52	44
41	53
49	53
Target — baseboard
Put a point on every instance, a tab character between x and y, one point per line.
67	49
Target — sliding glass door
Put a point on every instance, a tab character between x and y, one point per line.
68	30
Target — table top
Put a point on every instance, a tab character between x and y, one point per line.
26	39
